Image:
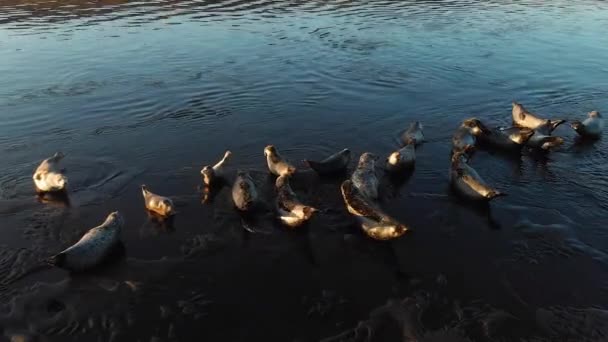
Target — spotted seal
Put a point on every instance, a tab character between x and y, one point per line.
374	222
211	174
336	163
467	182
159	205
364	177
93	248
413	134
49	177
291	211
244	192
402	159
523	118
591	127
277	165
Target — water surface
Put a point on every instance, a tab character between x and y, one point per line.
150	91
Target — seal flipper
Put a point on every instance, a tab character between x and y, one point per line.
576	125
495	193
57	260
555	123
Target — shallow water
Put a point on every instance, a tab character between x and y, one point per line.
150	91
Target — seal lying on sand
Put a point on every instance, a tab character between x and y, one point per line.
48	177
276	164
402	159
93	248
333	164
211	174
157	204
244	192
375	223
467	182
591	127
523	118
364	177
291	211
413	134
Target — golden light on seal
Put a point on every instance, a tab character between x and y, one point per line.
211	174
49	177
277	165
160	205
291	211
523	118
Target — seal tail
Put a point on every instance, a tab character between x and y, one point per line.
496	193
555	123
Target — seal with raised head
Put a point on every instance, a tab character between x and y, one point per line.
523	118
244	192
541	139
402	159
465	137
336	163
211	174
413	134
159	205
374	222
591	127
93	248
364	176
291	211
467	182
49	177
512	140
277	165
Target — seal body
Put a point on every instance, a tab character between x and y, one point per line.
49	177
402	159
364	177
523	118
160	205
93	248
512	140
277	165
374	222
244	192
540	140
413	134
467	182
333	164
211	174
591	127
291	211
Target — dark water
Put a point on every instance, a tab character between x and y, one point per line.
149	92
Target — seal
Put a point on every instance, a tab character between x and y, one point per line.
364	177
160	205
244	192
402	159
465	137
541	139
336	163
413	134
374	222
93	248
48	177
523	118
511	141
277	165
467	182
591	127
291	211
211	174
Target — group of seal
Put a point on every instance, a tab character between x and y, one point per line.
529	130
359	191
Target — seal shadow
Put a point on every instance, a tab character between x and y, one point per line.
160	223
59	198
391	183
584	144
299	237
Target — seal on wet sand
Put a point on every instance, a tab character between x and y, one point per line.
291	211
244	192
364	177
413	134
467	182
402	159
374	222
523	118
277	165
333	164
160	205
211	174
48	177
93	248
591	127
